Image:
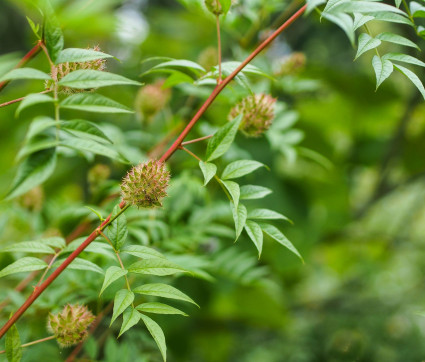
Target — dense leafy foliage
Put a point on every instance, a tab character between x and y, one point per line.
326	162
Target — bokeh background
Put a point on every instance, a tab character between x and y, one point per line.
347	166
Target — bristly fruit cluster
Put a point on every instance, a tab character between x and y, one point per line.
70	325
214	6
145	185
257	114
151	99
63	69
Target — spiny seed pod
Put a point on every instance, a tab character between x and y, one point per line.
257	114
63	69
33	199
214	6
70	325
290	64
151	99
145	185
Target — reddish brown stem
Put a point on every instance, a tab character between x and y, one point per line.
31	54
226	81
196	140
20	99
165	157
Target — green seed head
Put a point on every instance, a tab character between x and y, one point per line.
257	114
70	325
145	185
151	99
214	6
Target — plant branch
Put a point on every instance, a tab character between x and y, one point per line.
172	149
218	48
27	57
196	140
34	342
20	99
217	90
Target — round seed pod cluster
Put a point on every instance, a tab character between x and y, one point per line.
70	325
257	114
145	185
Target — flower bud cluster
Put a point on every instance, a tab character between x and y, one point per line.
151	99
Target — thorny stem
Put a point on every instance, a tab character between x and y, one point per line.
31	54
196	140
164	158
34	342
218	48
20	99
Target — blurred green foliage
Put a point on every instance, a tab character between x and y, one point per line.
357	201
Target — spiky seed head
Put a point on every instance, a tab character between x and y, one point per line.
290	64
63	69
145	185
214	7
151	98
33	199
257	114
70	325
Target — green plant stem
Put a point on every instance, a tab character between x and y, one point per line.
196	140
409	13
217	17
215	176
34	342
27	57
370	33
171	150
119	260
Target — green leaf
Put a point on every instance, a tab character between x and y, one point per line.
275	234
226	4
142	252
157	334
85	129
165	291
155	267
13	345
344	21
112	274
130	318
255	234
80	264
181	63
25	73
412	77
80	55
23	265
93	103
266	214
34	28
36	169
54	241
366	43
392	18
239	218
159	308
360	20
396	39
117	231
233	189
383	69
364	7
222	139
38	125
250	192
123	299
28	247
398	57
417	10
209	170
240	168
312	4
81	144
89	78
32	99
52	33
35	145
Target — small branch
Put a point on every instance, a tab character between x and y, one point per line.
20	99
31	54
47	269
34	342
196	140
218	48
